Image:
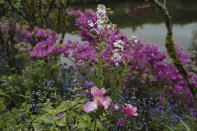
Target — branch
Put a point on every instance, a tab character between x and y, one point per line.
170	46
165	12
17	10
1	40
50	7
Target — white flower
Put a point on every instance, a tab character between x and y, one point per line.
109	26
116	57
118	44
101	7
102	20
135	41
90	23
134	38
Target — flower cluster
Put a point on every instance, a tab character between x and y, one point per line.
40	43
22	34
47	45
146	62
117	52
48	49
94	26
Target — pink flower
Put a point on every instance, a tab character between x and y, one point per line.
98	100
129	110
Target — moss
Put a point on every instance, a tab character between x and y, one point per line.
170	46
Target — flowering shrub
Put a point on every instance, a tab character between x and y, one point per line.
21	32
105	44
135	76
39	43
115	63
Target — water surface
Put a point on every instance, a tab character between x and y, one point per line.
143	20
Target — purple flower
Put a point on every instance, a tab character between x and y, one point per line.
5	27
120	122
59	114
160	100
151	98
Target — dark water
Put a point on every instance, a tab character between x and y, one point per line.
147	23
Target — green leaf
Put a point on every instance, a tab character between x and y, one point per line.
5	95
18	4
170	129
37	126
85	117
60	123
82	125
185	125
1	1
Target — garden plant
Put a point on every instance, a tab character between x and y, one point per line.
116	82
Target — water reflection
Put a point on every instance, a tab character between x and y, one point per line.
193	50
155	33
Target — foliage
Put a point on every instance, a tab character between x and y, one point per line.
63	117
183	126
141	61
129	84
29	90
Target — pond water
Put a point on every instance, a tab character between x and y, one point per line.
143	20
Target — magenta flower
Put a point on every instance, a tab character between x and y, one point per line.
98	100
129	110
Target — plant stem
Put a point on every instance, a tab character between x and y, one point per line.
95	125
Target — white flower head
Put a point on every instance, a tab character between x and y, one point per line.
91	24
134	38
102	20
109	26
118	44
101	12
101	7
116	57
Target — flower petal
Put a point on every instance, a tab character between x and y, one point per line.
135	114
103	91
90	106
104	101
95	91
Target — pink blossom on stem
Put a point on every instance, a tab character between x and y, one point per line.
98	100
129	110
